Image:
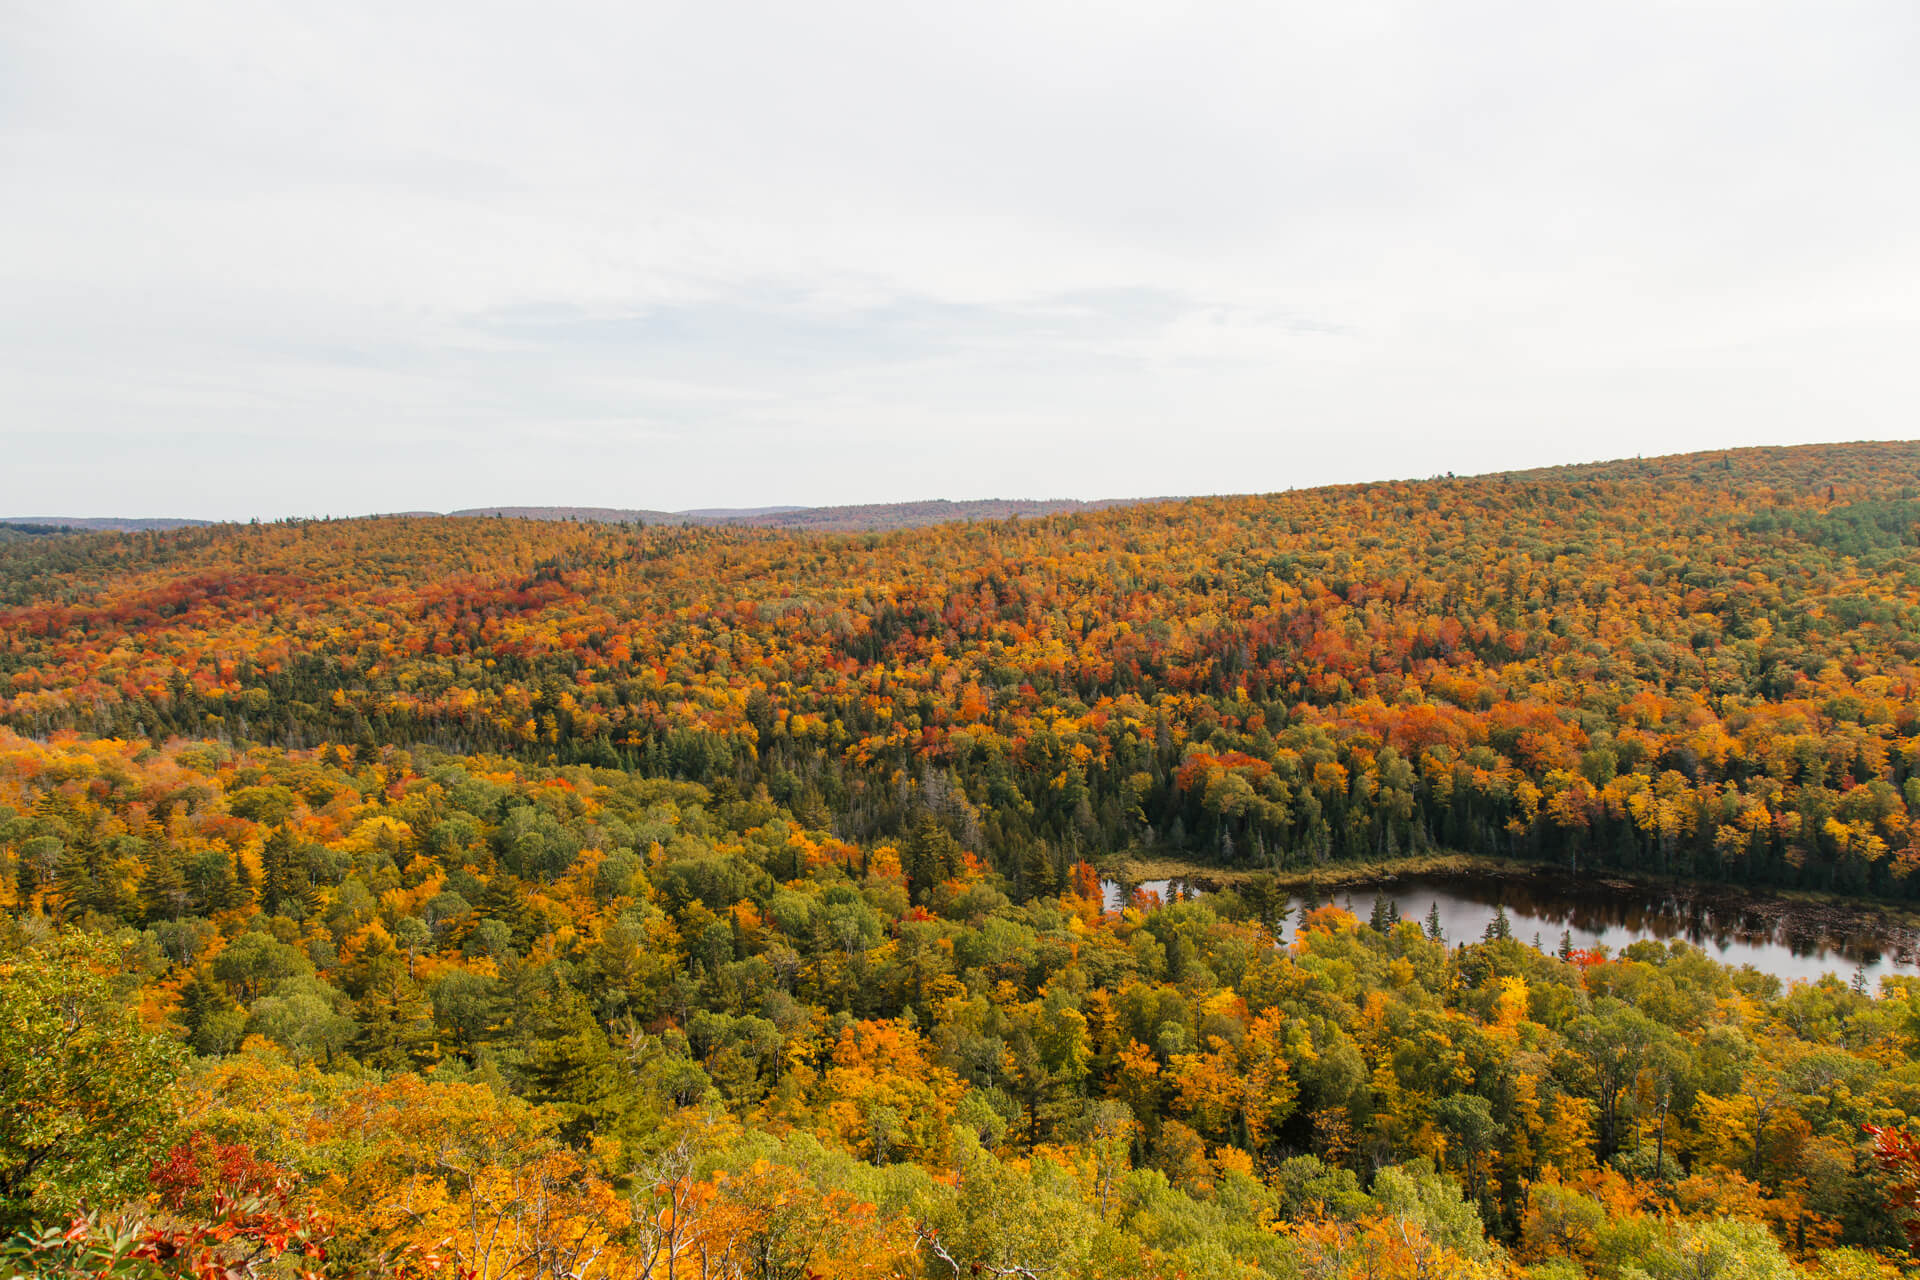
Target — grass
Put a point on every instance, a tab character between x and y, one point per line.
1136	867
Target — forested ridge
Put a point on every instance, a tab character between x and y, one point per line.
492	898
1701	665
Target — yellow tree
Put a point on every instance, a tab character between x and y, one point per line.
457	1166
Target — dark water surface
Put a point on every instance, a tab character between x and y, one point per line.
1791	940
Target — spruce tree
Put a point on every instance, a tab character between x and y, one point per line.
202	1000
242	880
163	888
564	1056
26	883
932	856
504	901
40	862
1037	870
1499	928
396	1020
86	884
210	883
283	872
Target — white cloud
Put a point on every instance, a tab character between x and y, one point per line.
268	259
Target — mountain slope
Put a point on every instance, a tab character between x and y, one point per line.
1625	663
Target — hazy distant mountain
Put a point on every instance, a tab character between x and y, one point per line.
870	518
597	515
911	515
874	517
740	513
93	524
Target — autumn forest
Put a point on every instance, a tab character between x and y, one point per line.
567	900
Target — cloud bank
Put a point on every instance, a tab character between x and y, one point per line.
289	259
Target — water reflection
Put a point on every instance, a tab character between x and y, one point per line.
1790	940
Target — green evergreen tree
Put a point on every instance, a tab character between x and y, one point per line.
284	879
26	883
242	880
86	884
564	1056
1499	928
932	855
503	900
163	888
208	1011
396	1020
210	883
40	861
1037	871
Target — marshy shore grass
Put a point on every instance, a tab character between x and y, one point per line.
1135	867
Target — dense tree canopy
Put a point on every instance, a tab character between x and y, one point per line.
410	897
1701	665
563	1017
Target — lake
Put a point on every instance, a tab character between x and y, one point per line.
1791	940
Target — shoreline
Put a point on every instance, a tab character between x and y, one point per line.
1833	911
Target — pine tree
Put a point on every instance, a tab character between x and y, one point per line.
201	1000
283	872
1037	870
565	1058
163	888
1268	903
210	883
1499	928
85	884
40	862
242	880
395	1017
26	883
1434	929
932	856
504	901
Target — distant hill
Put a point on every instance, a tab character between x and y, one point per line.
856	519
596	515
97	524
913	515
739	513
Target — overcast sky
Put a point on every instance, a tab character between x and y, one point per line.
267	259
